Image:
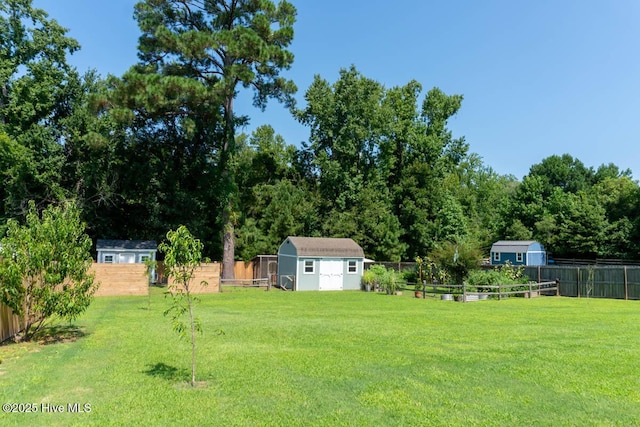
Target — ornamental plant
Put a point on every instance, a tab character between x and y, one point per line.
44	267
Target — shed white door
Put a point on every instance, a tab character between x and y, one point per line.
330	275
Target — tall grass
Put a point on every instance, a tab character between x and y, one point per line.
341	358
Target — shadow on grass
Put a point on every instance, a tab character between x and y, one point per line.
55	334
52	334
166	372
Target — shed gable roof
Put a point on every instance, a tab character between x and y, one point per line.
326	246
513	246
102	244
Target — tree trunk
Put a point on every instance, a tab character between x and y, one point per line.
228	177
228	244
193	342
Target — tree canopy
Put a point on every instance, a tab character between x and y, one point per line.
193	57
159	147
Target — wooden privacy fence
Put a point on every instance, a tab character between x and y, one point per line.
243	270
210	273
121	279
132	279
9	323
618	282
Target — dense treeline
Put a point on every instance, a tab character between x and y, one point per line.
148	151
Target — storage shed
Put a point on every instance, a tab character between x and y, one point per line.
126	251
320	264
518	252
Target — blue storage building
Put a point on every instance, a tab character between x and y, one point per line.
518	252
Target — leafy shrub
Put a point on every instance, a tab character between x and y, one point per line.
507	274
383	278
456	260
44	266
390	281
369	279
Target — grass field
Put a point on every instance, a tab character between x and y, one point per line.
328	359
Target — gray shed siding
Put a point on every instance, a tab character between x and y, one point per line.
287	270
320	267
307	281
125	251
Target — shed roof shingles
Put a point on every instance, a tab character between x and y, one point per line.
326	246
512	246
127	244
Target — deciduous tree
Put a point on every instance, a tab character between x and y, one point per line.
44	266
183	254
34	97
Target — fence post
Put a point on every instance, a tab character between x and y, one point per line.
557	287
626	284
578	280
499	292
424	289
464	291
530	289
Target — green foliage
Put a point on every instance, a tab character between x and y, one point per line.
385	279
456	260
380	159
563	172
380	164
182	255
506	274
35	95
574	211
424	270
369	279
345	121
390	281
194	55
44	266
279	210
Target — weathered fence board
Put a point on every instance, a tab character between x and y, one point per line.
9	323
618	282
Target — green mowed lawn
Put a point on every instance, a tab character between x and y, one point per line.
341	358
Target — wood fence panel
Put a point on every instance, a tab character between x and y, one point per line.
243	270
210	273
121	279
611	281
633	282
9	323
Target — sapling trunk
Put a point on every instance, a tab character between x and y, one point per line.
193	342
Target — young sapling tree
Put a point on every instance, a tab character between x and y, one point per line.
182	255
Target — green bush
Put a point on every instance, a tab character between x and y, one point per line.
44	266
369	279
456	261
507	274
390	281
382	278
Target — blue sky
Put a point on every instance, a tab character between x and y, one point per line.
538	78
